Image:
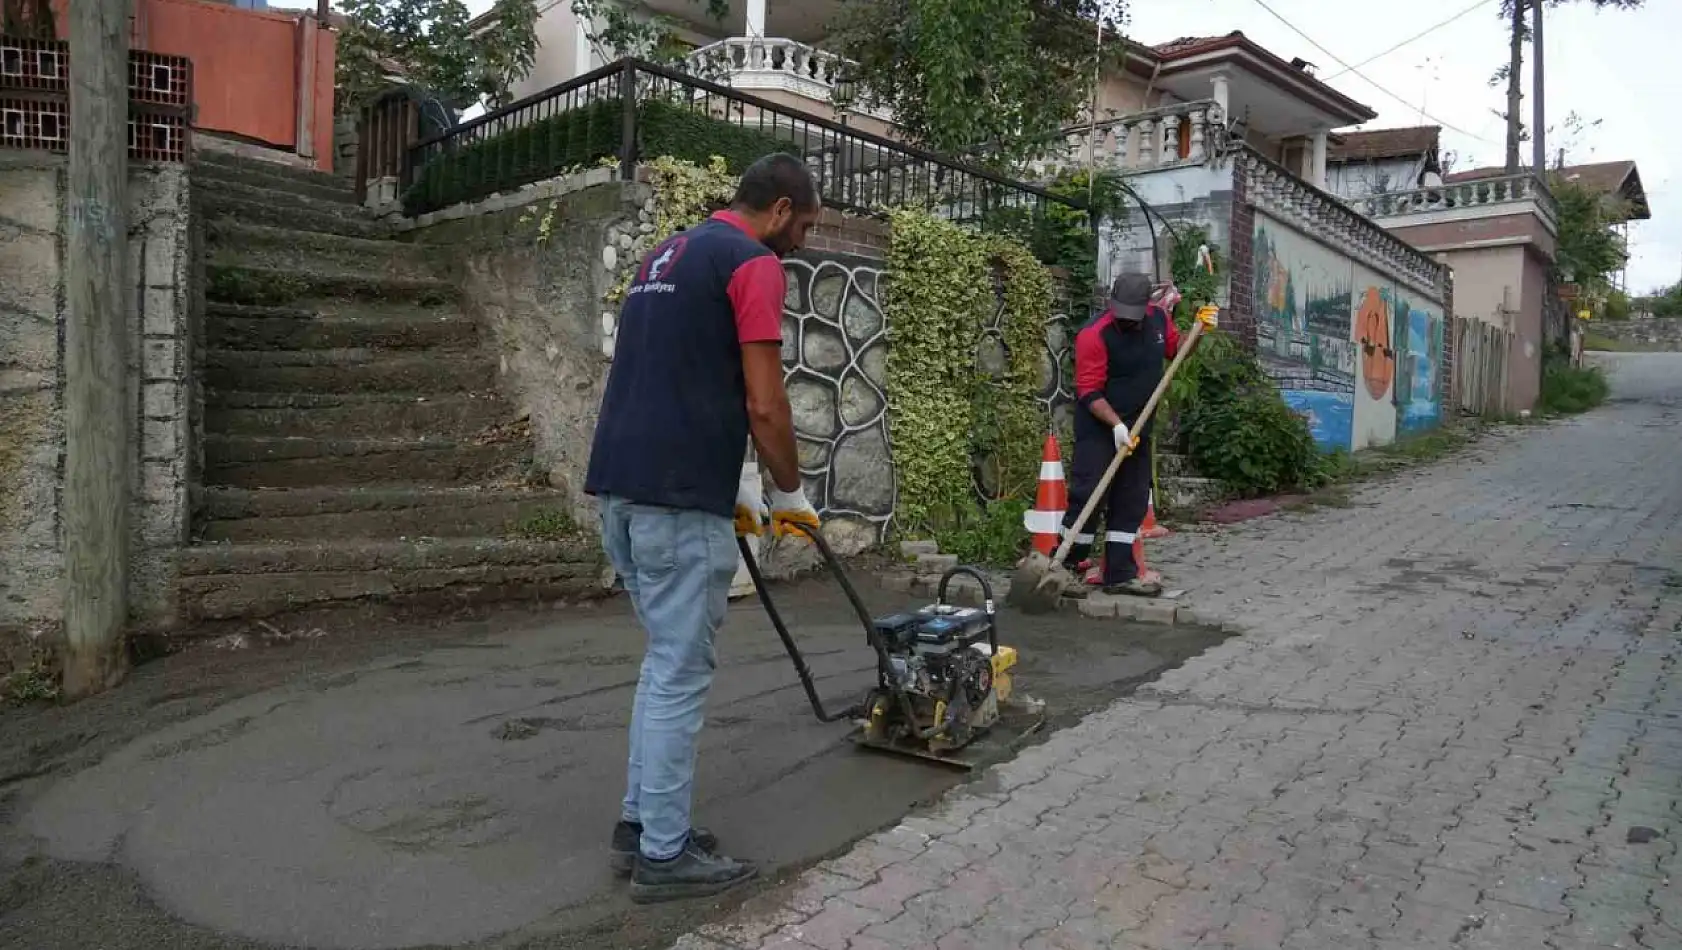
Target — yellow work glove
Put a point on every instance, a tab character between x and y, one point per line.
789	510
750	511
1209	316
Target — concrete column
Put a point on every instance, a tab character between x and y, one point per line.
756	17
1219	91
1317	178
581	49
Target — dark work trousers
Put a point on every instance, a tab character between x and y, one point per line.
1124	505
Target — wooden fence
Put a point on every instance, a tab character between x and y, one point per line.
1481	352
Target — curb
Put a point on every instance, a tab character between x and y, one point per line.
927	565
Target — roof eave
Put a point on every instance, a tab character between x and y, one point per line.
1276	70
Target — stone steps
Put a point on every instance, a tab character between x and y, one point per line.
231	279
208	171
329	325
256	205
425	372
251	461
223	581
292	249
356	451
354	415
289	177
408	512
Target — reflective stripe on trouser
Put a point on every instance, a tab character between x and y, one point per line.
1124	505
677	567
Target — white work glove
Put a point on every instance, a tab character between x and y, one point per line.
1124	437
789	509
750	509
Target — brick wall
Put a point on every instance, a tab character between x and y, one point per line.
849	234
1450	391
1240	316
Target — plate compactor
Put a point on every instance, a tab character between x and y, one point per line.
943	683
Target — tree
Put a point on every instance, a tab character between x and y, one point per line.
961	74
1590	249
429	43
615	28
1513	11
30	19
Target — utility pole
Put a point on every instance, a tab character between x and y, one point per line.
1538	121
96	407
1515	87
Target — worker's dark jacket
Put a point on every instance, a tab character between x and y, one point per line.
1121	363
674	423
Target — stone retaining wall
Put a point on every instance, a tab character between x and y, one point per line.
1653	334
33	222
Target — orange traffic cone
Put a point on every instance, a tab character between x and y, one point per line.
1045	520
1150	529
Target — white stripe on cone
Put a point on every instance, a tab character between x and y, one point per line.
1051	471
1042	522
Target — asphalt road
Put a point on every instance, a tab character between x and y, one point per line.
455	786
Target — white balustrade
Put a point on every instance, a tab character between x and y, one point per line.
1169	136
769	62
1479	193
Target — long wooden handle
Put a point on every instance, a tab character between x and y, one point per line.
1127	449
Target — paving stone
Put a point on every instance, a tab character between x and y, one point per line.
1447	707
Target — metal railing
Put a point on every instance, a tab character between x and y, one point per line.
631	110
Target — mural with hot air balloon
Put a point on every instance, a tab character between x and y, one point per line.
1359	357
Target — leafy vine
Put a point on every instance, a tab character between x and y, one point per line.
684	194
948	414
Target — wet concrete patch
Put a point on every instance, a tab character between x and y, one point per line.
465	794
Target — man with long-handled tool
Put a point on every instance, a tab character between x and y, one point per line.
697	367
1123	342
1119	359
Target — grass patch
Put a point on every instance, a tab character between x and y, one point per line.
1568	390
991	536
544	524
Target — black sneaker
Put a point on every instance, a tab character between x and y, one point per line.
627	842
695	872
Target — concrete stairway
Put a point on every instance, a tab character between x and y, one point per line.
355	448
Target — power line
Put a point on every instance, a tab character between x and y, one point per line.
1417	36
1351	69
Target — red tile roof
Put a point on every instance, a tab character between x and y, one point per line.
1375	144
1608	178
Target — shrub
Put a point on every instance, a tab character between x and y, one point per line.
1253	442
1567	389
580	137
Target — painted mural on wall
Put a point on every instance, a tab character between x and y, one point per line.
1358	355
1304	298
835	361
1375	410
1419	361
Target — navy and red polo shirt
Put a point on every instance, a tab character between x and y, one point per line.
1122	363
673	429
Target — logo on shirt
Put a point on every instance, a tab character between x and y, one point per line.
657	264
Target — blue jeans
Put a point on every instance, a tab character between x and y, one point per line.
677	566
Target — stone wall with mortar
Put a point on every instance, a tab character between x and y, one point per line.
543	302
161	312
1652	334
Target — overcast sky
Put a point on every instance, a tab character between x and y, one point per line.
1616	68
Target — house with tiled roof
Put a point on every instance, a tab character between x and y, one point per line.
1378	161
1618	182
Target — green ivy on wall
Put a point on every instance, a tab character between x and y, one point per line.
946	413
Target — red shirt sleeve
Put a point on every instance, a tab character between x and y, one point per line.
756	292
1092	362
1173	338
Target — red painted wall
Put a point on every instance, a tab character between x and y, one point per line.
248	68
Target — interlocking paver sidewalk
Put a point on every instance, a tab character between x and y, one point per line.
1454	721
